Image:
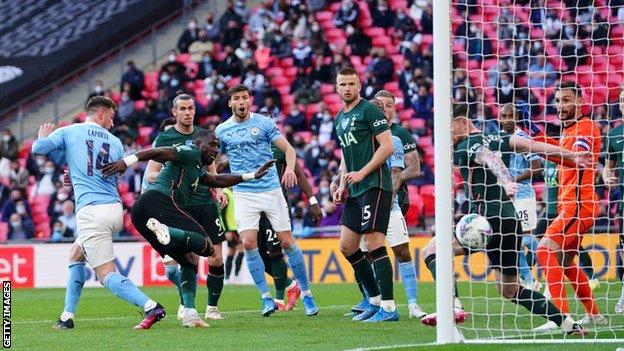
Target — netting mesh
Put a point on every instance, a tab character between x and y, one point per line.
517	52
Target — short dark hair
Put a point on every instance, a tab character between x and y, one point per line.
181	95
203	134
348	71
384	94
377	103
166	122
99	101
570	85
460	110
238	88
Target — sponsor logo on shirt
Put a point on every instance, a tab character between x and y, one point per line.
380	122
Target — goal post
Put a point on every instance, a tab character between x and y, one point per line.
442	67
490	53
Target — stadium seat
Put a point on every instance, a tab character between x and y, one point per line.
374	32
4	232
324	16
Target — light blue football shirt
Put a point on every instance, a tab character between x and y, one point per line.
518	164
248	146
396	160
87	147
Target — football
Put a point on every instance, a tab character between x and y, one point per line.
473	231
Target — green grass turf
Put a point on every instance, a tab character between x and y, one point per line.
105	323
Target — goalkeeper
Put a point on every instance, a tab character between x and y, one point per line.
481	159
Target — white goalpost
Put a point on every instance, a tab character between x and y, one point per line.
491	53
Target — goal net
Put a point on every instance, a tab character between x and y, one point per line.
510	56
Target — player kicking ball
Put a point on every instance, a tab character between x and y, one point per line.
159	216
246	140
482	160
99	213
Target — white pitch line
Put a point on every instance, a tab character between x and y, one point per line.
332	307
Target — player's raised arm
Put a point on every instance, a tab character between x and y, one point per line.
553	153
47	141
160	154
228	180
304	184
495	164
289	179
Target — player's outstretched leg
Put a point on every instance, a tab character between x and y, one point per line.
297	265
188	288
180	240
75	282
124	289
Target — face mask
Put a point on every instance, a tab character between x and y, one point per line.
49	170
324	191
20	209
323	162
192	25
124	98
461	197
6	138
164	77
98	89
326	117
401	15
61	196
16	224
350	30
315	28
172	58
278	37
314	143
220	86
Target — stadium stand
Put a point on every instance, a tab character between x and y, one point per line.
288	56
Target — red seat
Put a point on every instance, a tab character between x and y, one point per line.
183	58
412	217
382	41
324	16
4	232
287	62
417	123
327	89
139	105
427	190
274	72
374	31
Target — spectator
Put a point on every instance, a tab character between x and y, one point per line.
135	79
381	66
348	13
18	176
403	23
9	150
359	42
551	24
262	55
126	113
45	184
188	36
97	90
229	15
213	30
381	13
16	204
270	108
338	63
302	54
317	40
423	104
296	119
233	34
200	46
426	174
244	53
322	125
260	21
426	21
231	66
134	177
20	228
206	66
541	73
240	8
505	90
280	47
55	205
213	83
478	45
370	86
68	219
172	66
573	54
311	156
320	71
255	80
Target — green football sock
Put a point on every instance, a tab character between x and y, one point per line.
188	286
189	241
364	273
430	262
279	271
586	263
383	272
537	304
214	283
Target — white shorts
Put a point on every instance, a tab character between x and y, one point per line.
526	210
397	231
248	206
97	224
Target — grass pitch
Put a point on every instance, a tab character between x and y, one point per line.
104	322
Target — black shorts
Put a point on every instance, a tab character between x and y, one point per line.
153	204
369	212
267	238
209	217
543	223
502	251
